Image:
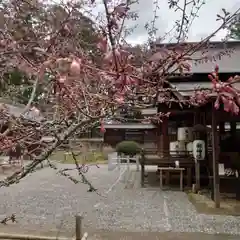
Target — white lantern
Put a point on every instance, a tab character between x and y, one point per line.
173	148
190	147
185	134
177	147
199	150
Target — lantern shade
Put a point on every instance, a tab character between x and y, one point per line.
199	150
185	134
173	148
177	147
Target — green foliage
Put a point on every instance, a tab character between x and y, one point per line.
235	31
16	86
130	148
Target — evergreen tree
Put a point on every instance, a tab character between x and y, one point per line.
235	29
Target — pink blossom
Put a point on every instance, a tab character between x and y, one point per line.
75	67
35	110
217	104
102	44
62	79
121	10
120	99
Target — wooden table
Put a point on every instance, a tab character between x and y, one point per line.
169	169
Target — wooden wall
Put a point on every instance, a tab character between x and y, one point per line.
142	136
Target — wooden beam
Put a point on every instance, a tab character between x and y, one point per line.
215	157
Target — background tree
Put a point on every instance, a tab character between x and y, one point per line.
15	83
235	30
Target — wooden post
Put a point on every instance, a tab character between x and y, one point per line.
142	174
215	156
197	120
181	180
165	139
159	139
161	179
165	145
142	169
78	228
197	174
221	130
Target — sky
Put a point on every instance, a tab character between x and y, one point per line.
202	26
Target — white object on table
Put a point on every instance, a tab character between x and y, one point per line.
177	164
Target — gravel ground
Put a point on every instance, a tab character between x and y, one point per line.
48	201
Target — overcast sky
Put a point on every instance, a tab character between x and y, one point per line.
201	27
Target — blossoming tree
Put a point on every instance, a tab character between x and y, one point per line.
86	80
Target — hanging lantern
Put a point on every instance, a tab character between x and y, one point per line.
184	134
173	148
199	150
177	147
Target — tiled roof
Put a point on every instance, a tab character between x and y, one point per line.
226	55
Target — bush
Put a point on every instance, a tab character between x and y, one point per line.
130	148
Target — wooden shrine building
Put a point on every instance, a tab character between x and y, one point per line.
218	129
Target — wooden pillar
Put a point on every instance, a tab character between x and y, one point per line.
221	127
159	138
233	128
164	137
142	169
165	145
197	120
221	130
215	158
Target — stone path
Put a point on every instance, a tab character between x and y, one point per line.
49	202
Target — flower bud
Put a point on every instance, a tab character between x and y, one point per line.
75	67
